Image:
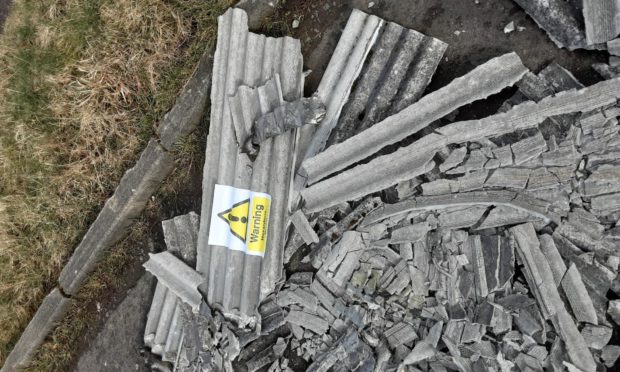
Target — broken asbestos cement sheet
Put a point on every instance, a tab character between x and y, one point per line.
483	245
239	219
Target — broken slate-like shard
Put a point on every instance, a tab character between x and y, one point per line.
291	115
561	19
601	19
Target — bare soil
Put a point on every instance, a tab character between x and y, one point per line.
4	11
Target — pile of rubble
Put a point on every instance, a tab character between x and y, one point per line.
581	24
479	245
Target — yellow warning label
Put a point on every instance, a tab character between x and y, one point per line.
257	228
240	220
237	218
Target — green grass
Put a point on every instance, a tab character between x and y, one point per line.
82	82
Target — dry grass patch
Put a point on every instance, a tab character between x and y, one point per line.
82	82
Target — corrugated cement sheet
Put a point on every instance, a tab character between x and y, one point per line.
377	69
417	158
395	75
346	63
485	80
163	330
243	58
239	281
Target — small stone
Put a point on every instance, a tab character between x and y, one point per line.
596	337
610	354
371	4
614	310
510	27
295	23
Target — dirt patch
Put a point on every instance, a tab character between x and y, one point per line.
4	11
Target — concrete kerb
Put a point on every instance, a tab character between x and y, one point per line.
52	309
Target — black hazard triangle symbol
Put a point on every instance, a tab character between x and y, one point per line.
237	218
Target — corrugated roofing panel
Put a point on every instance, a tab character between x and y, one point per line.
244	58
164	322
180	235
343	69
182	280
152	319
388	170
394	76
231	285
483	81
228	66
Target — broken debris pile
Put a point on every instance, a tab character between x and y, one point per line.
483	245
581	24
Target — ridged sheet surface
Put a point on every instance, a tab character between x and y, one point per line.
243	59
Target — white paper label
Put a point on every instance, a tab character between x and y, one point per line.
240	219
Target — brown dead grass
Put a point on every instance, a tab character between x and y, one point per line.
82	82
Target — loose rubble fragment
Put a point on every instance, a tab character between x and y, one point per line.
613	47
181	234
291	115
304	228
560	19
601	17
578	297
610	355
179	278
510	27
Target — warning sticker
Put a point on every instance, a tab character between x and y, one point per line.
240	219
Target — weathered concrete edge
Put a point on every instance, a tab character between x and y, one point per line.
111	225
184	117
52	309
119	212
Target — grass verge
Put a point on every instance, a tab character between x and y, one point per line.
82	82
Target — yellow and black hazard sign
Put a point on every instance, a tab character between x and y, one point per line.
240	219
237	218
